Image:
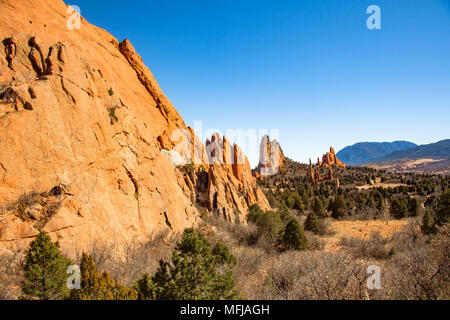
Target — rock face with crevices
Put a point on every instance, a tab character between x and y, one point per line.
87	139
224	183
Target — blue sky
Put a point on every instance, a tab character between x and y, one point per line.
311	69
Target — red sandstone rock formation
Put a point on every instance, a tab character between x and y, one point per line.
225	184
90	145
329	160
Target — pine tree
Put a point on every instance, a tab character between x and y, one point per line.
294	237
443	210
312	223
284	213
428	225
96	286
269	223
192	273
338	207
254	213
145	288
222	255
318	208
398	209
90	280
392	252
413	207
45	270
296	202
122	292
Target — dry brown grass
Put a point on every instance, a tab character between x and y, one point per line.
361	230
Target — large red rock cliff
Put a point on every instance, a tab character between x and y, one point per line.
86	139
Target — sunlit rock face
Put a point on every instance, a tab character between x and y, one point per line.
86	139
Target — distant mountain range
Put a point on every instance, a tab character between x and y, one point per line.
408	157
437	150
365	152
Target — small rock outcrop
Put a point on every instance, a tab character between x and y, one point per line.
329	160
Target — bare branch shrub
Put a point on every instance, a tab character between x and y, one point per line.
374	247
234	233
136	259
249	270
10	274
314	242
317	276
423	273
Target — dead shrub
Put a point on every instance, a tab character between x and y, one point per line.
10	274
25	200
314	242
236	234
374	247
422	273
316	276
250	260
136	259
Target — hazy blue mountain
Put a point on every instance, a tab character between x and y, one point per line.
364	152
437	150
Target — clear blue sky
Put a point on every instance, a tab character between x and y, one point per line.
309	68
